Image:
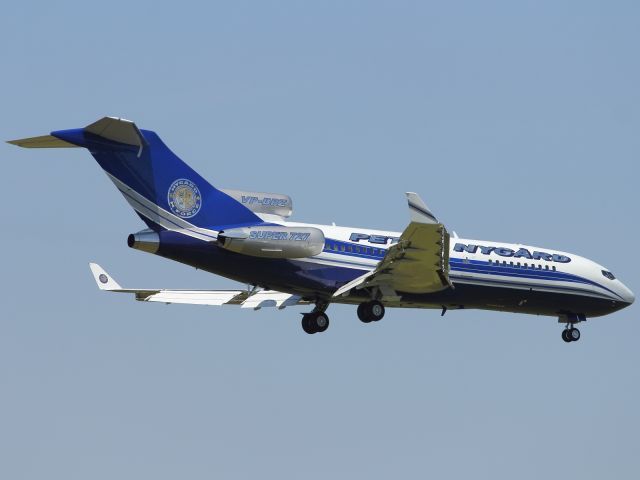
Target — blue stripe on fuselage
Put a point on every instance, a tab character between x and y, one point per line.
471	266
486	268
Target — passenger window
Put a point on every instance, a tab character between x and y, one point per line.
526	266
342	248
546	267
553	268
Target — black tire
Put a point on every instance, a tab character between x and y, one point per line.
364	312
565	335
320	322
307	325
574	334
376	310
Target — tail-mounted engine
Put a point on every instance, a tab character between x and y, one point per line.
273	241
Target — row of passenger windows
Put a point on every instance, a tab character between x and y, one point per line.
336	247
504	263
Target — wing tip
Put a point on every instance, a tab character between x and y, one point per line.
103	279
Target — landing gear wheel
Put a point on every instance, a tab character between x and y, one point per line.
363	313
376	310
370	311
571	335
574	334
320	322
306	324
316	322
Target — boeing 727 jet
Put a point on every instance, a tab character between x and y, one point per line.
247	237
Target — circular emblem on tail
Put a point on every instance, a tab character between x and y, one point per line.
184	198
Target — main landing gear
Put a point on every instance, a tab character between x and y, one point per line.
372	311
316	321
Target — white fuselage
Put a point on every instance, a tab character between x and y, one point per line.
498	266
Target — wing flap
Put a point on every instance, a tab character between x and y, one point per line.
418	263
193	297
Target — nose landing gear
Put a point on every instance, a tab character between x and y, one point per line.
570	332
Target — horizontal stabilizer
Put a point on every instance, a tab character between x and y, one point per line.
118	130
44	141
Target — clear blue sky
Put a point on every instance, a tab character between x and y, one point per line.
515	121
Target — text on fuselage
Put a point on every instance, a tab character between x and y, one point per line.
274	235
265	201
377	239
509	252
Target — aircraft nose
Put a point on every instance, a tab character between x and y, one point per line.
628	295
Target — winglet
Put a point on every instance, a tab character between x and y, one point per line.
419	211
103	279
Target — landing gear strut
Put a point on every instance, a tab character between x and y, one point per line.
372	311
316	321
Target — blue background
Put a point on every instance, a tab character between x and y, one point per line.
515	121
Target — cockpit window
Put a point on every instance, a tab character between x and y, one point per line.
609	275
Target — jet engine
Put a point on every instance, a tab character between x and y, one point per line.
273	241
145	240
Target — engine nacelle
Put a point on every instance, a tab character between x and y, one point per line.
261	202
273	241
145	240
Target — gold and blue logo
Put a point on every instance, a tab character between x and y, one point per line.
184	198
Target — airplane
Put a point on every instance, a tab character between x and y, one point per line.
246	236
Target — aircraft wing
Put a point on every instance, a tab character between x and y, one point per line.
418	263
244	298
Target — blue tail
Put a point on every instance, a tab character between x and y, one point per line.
162	189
